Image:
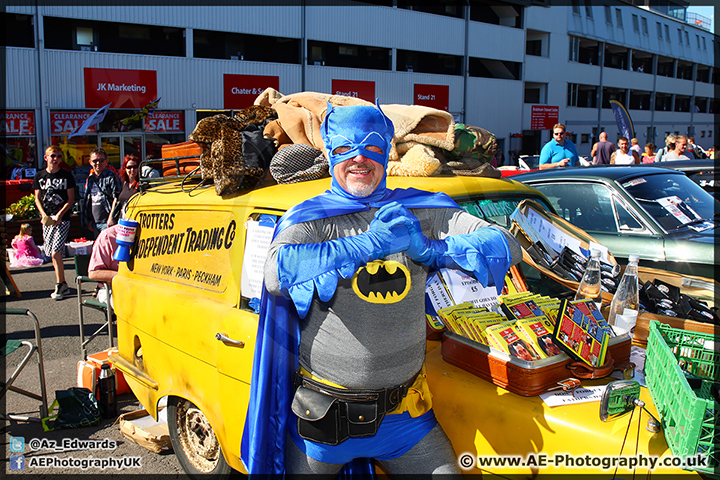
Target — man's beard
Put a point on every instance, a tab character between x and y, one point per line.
362	190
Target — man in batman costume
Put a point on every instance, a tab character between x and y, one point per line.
341	336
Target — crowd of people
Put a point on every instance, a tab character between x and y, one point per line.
107	192
561	151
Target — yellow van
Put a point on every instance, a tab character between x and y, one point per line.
186	330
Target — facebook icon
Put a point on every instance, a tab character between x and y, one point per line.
17	462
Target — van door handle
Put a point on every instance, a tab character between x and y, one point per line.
225	339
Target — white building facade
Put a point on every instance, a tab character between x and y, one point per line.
512	68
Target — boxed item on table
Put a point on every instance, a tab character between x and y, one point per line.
539	331
79	248
580	335
507	338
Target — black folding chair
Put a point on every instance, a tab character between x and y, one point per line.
33	348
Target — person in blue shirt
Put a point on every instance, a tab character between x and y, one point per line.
558	152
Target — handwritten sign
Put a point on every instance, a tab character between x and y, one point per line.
581	395
257	244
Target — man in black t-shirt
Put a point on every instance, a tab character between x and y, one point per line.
54	197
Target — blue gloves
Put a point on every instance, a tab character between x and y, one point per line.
484	252
304	268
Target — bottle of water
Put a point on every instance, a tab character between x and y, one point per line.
625	305
590	283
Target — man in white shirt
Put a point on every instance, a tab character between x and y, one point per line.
681	142
623	155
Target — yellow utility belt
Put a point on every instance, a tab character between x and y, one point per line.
417	401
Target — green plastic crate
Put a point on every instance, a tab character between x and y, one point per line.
690	418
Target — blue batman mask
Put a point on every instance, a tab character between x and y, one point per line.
357	127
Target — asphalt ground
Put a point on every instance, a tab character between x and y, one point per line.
59	330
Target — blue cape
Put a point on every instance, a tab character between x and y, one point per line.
278	338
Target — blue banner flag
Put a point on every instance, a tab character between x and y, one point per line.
622	118
93	119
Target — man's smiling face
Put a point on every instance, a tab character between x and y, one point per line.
359	176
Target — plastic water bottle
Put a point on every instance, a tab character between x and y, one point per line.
625	305
106	389
590	283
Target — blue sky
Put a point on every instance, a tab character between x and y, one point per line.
708	12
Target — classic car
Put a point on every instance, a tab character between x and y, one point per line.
657	213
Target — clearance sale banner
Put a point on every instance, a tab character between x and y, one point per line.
120	88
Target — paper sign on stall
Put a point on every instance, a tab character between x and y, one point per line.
580	395
257	244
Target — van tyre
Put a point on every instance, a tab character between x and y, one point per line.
194	441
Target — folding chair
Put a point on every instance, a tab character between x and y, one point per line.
33	348
81	268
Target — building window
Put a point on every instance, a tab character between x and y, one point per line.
687	39
636	23
588	9
663	103
446	8
411	61
575	7
641	61
684	70
19	30
618	15
583	50
238	46
533	47
487	68
701	105
508	15
535	93
703	74
610	93
581	96
679	36
682	103
667	33
645	26
697	39
704	44
639	100
71	34
608	14
666	66
616	56
349	56
659	30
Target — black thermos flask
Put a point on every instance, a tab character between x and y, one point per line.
106	389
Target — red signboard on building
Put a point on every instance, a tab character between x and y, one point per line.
17	123
121	88
66	122
240	91
433	96
354	88
169	122
544	117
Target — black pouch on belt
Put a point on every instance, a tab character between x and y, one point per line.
319	417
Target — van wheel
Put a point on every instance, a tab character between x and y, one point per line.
194	441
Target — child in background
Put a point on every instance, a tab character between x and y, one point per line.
27	254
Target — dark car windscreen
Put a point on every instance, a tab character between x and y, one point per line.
674	201
496	210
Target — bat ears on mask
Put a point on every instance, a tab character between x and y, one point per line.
381	119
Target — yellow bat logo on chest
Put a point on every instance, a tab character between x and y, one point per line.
382	282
